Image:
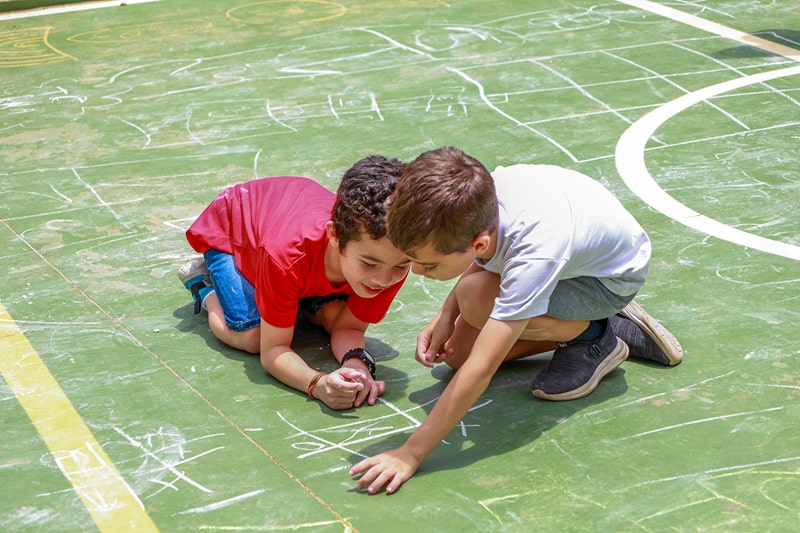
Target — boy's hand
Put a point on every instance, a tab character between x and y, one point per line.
346	388
431	341
339	389
372	387
390	469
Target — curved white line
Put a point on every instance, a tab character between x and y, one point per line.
631	167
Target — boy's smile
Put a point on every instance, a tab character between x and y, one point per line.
371	266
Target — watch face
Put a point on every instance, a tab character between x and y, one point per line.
369	355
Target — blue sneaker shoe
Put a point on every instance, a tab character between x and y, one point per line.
194	277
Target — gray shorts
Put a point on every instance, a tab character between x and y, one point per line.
585	298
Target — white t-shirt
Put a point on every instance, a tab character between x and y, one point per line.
557	223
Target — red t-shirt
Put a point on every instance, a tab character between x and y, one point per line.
275	229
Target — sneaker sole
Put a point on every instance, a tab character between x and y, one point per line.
616	358
192	270
660	335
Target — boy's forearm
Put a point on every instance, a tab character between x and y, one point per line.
461	393
449	309
466	386
282	363
343	340
280	360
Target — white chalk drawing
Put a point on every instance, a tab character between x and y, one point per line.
351	437
469	63
164	453
318	81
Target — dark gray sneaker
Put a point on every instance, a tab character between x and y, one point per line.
645	336
578	366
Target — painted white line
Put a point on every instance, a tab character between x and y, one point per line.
67	8
631	146
631	167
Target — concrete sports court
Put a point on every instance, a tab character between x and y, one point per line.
120	121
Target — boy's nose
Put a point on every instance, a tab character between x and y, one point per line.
383	279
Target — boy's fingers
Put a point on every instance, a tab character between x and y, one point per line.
394	484
360	396
380	481
362	465
353	376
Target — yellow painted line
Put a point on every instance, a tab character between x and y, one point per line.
108	498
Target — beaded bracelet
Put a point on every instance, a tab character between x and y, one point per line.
313	383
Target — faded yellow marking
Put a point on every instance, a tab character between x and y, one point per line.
293	9
28	47
110	501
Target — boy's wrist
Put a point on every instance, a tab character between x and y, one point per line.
364	356
313	383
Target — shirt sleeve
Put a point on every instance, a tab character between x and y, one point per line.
526	288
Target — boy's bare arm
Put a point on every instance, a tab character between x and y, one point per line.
337	390
431	340
278	358
347	332
393	468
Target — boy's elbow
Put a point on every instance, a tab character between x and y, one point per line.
265	365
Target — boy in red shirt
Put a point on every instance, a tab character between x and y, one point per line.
273	246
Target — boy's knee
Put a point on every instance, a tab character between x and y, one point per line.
327	315
476	294
455	361
483	282
455	365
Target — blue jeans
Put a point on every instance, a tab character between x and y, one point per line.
236	295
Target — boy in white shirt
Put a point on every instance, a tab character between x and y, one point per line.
548	259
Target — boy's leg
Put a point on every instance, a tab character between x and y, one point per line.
578	366
248	340
323	311
645	336
476	293
579	363
195	277
232	313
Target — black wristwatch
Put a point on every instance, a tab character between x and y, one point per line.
362	354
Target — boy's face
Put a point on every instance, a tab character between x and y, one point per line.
426	261
371	266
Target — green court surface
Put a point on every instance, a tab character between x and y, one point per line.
120	121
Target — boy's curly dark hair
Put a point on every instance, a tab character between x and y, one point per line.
360	206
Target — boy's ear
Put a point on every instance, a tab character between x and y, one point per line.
482	242
331	231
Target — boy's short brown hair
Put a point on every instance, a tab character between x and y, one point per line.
444	198
360	206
